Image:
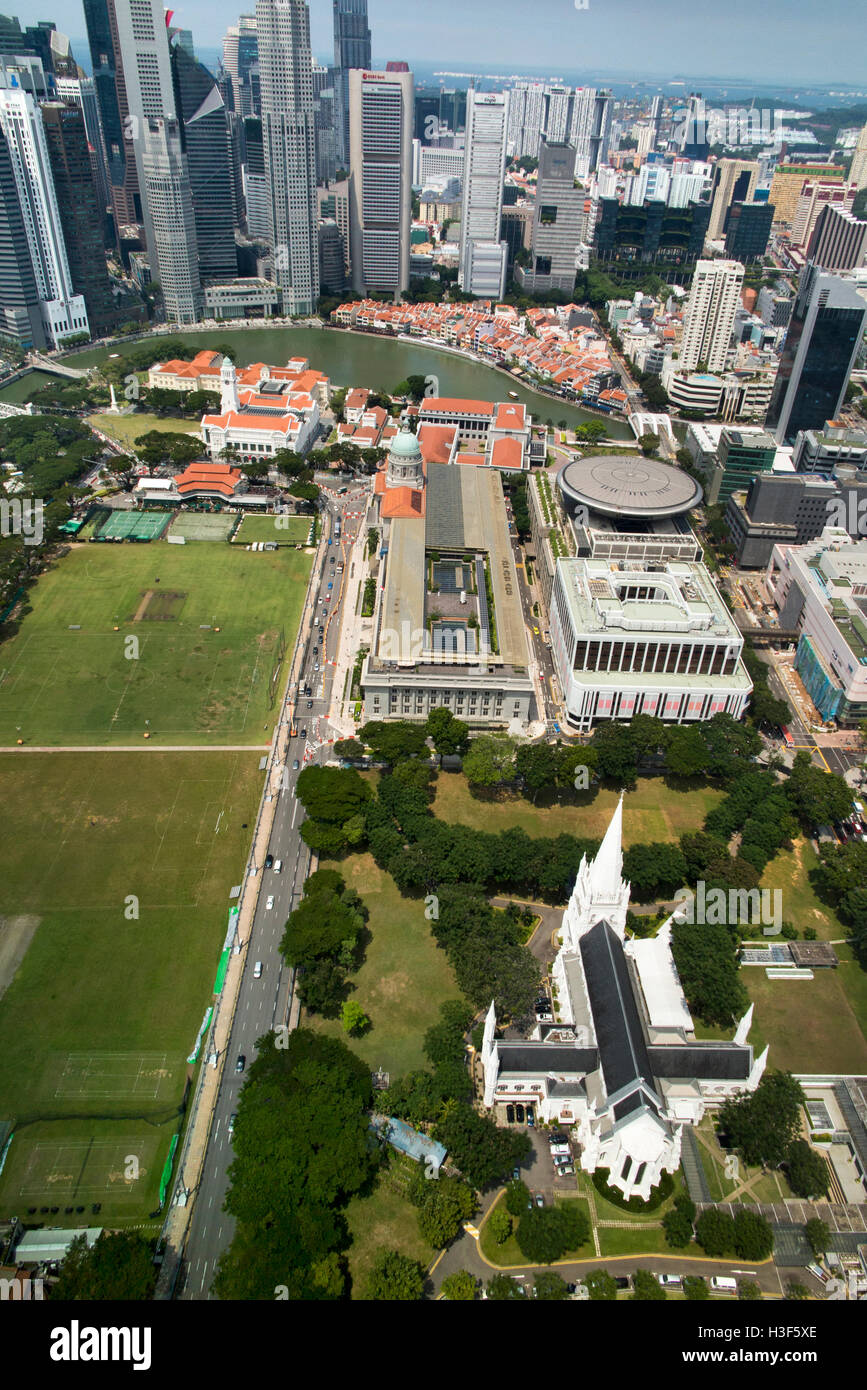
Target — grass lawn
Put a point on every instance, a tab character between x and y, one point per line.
104	1008
811	1025
405	976
385	1219
607	1211
649	1241
126	429
66	676
510	1253
651	812
282	529
800	906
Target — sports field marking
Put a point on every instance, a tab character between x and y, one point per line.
139	1075
85	1169
140	611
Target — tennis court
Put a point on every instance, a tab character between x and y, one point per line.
88	1170
283	529
204	526
111	1075
134	526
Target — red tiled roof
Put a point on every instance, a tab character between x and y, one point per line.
454	405
402	502
507	453
215	477
510	416
436	442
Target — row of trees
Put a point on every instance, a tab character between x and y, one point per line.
764	1127
324	940
301	1152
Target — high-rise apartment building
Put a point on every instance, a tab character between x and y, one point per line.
815	195
81	219
839	240
205	139
483	273
734	181
157	139
709	315
590	132
858	168
558	114
821	345
381	115
289	139
557	223
63	311
526	116
788	182
351	50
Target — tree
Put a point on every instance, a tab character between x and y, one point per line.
447	1204
355	1021
490	760
806	1170
503	1288
646	1288
601	1286
763	1125
648	443
707	964
678	1228
538	765
818	797
695	1288
478	1147
797	1293
752	1234
500	1225
687	753
550	1287
714	1231
332	794
395	1278
749	1291
393	740
517	1197
546	1233
348	748
617	755
818	1235
319	926
119	1267
449	735
460	1287
322	987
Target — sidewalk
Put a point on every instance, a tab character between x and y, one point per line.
355	631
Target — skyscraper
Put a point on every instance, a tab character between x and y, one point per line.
351	50
205	140
858	169
839	240
240	57
526	114
20	309
709	315
591	129
256	198
483	257
81	219
380	179
80	90
63	312
161	161
558	111
734	181
289	140
557	223
747	230
822	342
108	80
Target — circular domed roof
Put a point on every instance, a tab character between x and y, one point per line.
629	485
405	445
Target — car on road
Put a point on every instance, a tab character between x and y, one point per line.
316	666
269	860
232	1118
309	704
622	1281
539	1199
269	902
295	765
257	970
330	585
331	557
315	651
241	1062
536	630
670	1281
303	733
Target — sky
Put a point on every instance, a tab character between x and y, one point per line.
776	41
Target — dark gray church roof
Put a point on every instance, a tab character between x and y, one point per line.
565	1058
710	1061
619	1036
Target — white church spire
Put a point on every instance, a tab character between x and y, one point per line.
600	892
606	871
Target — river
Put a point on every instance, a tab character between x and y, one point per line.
365	359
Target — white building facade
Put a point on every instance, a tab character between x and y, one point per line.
482	203
380	179
709	315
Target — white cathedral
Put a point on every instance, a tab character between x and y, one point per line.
621	1064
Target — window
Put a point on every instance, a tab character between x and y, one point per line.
624	1172
547	215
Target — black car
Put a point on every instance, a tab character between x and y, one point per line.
309	704
303	733
621	1281
269	860
241	1062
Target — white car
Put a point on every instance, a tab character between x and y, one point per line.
269	903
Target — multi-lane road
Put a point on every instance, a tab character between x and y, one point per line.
265	996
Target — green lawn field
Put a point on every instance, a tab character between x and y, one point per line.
283	529
651	812
125	861
384	1219
405	976
67	677
126	429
